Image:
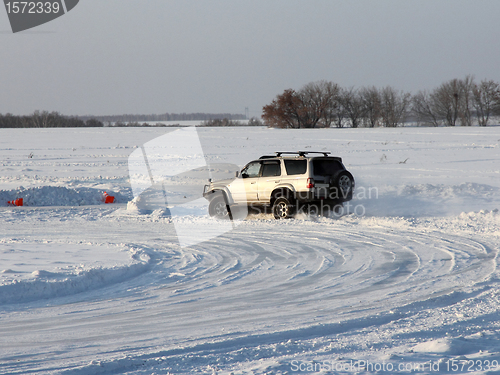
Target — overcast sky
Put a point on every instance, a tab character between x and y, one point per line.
157	56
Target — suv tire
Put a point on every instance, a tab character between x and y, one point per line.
282	209
344	183
218	208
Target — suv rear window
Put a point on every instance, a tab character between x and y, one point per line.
326	167
295	166
271	169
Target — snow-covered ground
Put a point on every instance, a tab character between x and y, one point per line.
406	281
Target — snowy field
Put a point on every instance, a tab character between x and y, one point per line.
407	281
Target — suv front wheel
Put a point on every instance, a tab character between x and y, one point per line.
218	208
282	209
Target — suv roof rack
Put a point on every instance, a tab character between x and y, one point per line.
302	153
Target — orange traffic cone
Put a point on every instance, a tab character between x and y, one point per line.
16	202
108	198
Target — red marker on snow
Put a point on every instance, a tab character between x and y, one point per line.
108	198
16	202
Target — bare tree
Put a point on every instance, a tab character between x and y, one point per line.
323	103
453	101
352	105
327	108
40	119
466	100
423	108
339	116
445	100
331	111
330	92
318	103
371	101
312	106
486	99
283	112
394	106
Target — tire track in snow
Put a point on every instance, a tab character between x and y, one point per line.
259	283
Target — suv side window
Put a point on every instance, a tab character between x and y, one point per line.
326	167
270	169
295	166
251	170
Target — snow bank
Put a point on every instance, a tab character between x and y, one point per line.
58	196
426	199
31	272
451	346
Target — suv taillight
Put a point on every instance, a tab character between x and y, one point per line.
310	183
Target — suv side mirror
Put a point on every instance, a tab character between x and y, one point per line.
237	174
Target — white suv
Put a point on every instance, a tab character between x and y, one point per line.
287	182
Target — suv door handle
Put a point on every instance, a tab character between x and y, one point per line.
251	183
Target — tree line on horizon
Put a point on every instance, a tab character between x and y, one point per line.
215	122
137	118
45	119
325	104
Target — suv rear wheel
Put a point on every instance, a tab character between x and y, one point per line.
344	182
282	209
